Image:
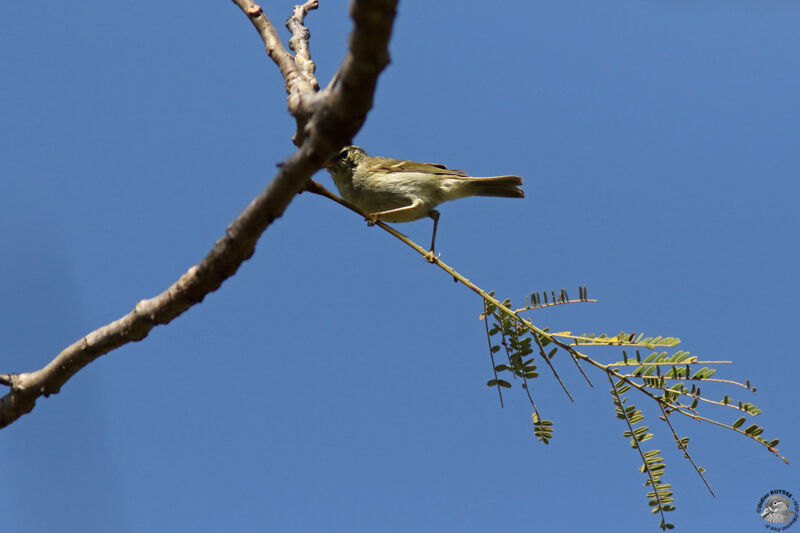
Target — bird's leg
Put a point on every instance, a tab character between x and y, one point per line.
430	257
372	218
416	204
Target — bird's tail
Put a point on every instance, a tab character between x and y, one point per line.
503	186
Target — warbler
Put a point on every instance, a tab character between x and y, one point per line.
395	190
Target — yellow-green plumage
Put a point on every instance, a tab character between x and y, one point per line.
394	190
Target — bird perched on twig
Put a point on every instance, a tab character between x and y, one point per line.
401	191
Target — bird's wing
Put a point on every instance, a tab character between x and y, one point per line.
387	164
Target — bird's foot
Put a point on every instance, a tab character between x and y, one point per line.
372	219
432	258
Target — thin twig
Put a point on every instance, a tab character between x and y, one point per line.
621	409
316	188
491	354
685	450
705	380
547	360
553	304
663	363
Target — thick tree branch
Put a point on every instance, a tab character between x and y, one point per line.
339	112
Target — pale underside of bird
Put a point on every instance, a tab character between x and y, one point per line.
394	190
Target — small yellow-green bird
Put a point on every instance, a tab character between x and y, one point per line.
401	191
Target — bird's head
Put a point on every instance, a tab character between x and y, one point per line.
347	159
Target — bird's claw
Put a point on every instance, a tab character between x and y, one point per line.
432	258
371	219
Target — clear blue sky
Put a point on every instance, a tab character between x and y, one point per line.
337	383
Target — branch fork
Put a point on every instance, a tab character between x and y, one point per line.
326	121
